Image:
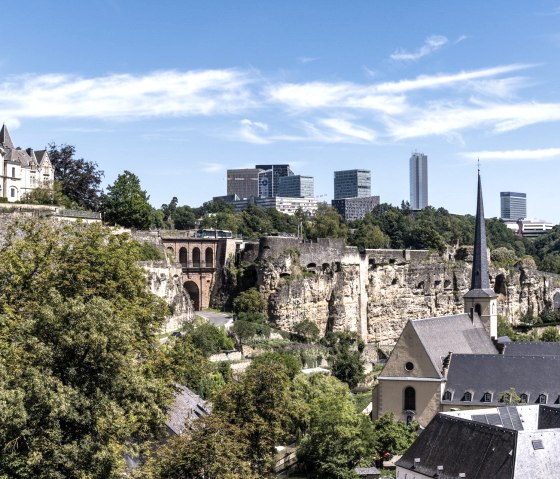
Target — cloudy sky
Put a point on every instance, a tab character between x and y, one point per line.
179	91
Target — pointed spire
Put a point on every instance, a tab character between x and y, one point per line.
5	139
480	275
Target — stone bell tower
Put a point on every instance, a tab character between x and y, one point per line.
481	299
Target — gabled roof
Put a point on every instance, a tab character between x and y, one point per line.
478	450
482	373
5	139
186	407
531	349
457	334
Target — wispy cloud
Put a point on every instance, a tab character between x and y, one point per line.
346	129
252	132
305	60
163	93
212	167
432	44
512	155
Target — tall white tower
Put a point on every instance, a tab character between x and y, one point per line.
418	181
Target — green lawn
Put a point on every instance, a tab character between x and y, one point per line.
362	400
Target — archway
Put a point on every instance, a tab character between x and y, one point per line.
409	399
500	286
209	257
183	256
196	258
194	293
556	301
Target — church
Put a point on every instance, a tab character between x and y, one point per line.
457	362
22	171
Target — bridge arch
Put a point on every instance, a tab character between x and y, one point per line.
193	291
209	257
183	256
556	300
196	257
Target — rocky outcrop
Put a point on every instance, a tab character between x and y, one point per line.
374	292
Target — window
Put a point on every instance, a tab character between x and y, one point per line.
487	397
409	366
409	399
523	398
468	396
447	395
542	399
13	192
478	309
13	171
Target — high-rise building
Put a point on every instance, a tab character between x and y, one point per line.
243	182
513	205
352	184
296	186
355	208
418	181
269	179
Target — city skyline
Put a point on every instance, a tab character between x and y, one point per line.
323	88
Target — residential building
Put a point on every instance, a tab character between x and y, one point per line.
411	382
296	186
22	171
530	227
512	442
352	184
418	181
269	179
283	204
513	206
355	208
243	182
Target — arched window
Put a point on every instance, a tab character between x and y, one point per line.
209	257
523	398
542	399
183	256
487	397
196	257
478	309
447	395
409	399
467	397
12	192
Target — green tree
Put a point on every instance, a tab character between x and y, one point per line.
550	335
184	218
337	438
307	330
126	203
250	301
79	180
392	437
348	366
326	223
369	235
291	362
208	338
509	397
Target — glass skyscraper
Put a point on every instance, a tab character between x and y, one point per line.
513	205
352	184
418	181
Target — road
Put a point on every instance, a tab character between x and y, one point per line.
217	319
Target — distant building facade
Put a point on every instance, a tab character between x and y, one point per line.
22	171
269	179
529	227
355	208
296	186
513	206
418	181
283	204
243	182
352	184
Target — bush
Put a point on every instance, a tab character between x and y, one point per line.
250	301
209	338
503	256
291	362
307	331
246	330
550	335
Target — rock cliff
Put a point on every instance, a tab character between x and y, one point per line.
374	292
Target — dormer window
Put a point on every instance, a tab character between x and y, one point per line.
542	399
487	397
447	395
467	397
523	398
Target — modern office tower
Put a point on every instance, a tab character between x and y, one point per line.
243	182
355	208
269	179
296	186
513	205
352	184
418	181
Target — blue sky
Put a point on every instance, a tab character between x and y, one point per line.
179	91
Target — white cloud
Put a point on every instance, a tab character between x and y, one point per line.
346	129
510	155
162	93
305	60
431	45
251	131
212	167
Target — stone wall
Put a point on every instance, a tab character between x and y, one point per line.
374	292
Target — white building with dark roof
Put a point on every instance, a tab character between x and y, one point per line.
22	171
514	442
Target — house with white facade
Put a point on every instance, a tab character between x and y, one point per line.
22	171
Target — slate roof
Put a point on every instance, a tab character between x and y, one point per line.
478	450
456	333
186	407
531	349
482	373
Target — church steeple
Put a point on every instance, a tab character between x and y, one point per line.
5	139
481	299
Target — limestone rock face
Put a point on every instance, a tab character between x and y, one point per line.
165	282
374	292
